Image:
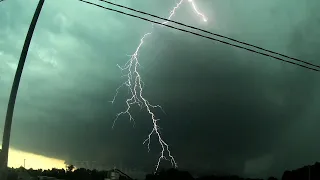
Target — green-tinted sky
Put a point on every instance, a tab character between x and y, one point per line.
227	110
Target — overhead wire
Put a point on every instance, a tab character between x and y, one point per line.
208	32
207	37
314	68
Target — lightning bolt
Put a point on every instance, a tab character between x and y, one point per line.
135	85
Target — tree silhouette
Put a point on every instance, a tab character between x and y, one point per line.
70	168
71	173
272	178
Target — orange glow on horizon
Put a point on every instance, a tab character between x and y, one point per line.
34	161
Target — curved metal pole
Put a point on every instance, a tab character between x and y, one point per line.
13	94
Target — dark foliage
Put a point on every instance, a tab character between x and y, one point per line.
71	173
306	172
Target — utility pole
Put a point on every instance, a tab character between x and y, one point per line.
309	173
24	163
13	93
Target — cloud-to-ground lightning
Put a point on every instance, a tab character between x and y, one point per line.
135	85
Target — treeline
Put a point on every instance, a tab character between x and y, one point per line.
70	173
305	173
173	174
78	174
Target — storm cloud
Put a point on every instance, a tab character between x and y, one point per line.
226	110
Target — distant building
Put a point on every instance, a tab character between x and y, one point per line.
112	175
116	174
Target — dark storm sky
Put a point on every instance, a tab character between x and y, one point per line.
227	110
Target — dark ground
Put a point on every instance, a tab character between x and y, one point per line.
171	174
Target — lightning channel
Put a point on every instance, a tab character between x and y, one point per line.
135	86
195	9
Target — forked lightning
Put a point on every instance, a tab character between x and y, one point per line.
135	85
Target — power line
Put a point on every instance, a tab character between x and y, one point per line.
207	37
214	34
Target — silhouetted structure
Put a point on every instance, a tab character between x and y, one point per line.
70	173
171	174
305	173
13	93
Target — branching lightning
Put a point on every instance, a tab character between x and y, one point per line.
135	84
197	11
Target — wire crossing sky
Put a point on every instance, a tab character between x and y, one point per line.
135	85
